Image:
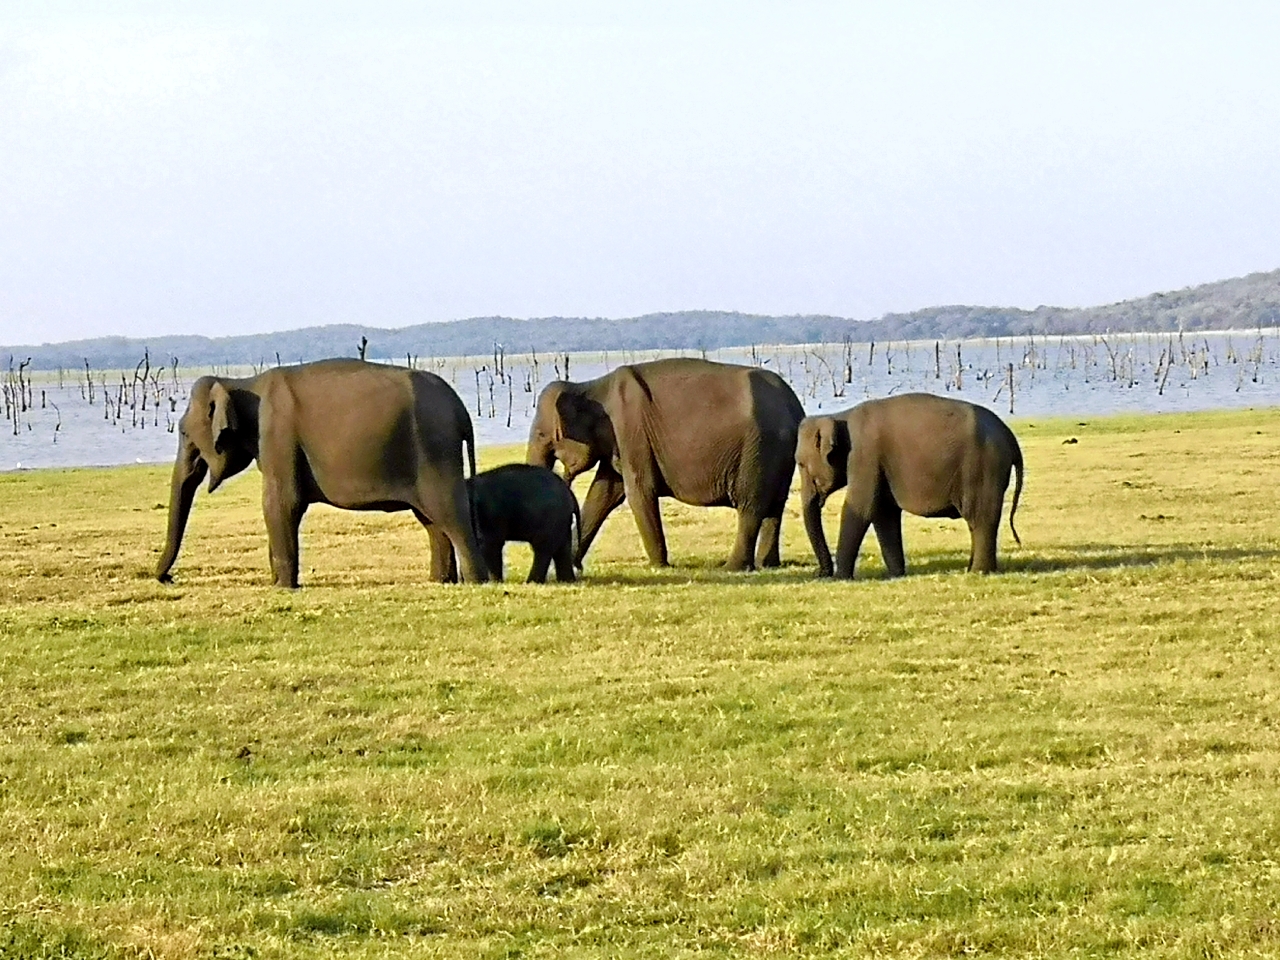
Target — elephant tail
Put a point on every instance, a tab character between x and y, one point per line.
575	531
1017	491
469	438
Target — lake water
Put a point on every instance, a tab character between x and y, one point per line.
1073	376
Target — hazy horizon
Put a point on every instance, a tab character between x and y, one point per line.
220	170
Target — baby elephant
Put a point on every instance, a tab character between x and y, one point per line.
531	505
931	456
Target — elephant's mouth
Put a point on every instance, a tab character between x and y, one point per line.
815	495
574	466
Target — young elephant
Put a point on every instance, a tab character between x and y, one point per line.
931	456
530	505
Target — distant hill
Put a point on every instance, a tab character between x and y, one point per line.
1241	303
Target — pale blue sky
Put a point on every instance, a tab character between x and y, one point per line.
211	168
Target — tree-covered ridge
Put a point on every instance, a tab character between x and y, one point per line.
1239	303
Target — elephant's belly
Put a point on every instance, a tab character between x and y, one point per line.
699	486
926	504
386	506
948	513
351	503
707	494
925	494
707	501
928	507
362	496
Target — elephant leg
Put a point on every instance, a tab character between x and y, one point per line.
649	522
444	565
744	548
282	509
888	525
982	557
769	547
447	505
471	567
853	528
448	562
564	564
541	564
606	493
493	558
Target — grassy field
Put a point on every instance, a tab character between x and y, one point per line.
1078	757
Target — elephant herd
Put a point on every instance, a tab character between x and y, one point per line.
365	436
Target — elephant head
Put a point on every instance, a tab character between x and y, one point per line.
217	435
822	454
571	427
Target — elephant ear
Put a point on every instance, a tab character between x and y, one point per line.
574	416
564	410
223	422
826	438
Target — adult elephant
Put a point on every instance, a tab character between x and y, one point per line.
361	436
708	434
931	456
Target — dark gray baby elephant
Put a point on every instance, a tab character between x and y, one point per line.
530	505
931	456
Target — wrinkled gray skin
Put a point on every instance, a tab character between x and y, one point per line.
361	436
931	456
526	504
708	434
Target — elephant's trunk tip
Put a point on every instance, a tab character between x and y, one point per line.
188	470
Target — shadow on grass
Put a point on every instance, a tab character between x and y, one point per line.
695	570
701	570
1095	556
1090	556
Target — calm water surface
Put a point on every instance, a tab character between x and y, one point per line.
1075	376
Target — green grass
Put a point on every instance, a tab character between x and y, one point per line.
1078	757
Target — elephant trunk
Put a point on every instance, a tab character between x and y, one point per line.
811	508
188	471
541	455
604	494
